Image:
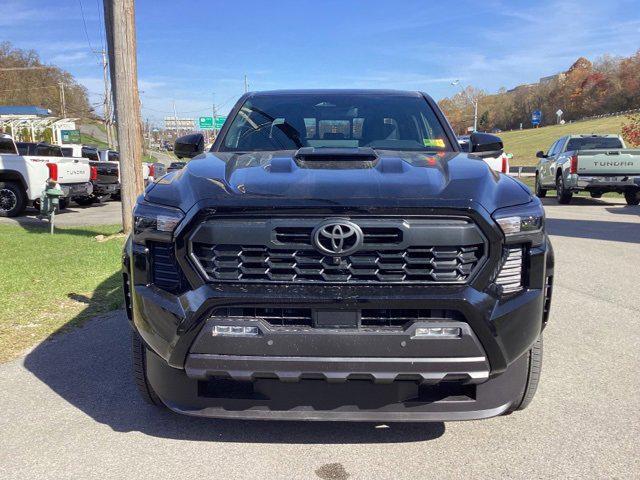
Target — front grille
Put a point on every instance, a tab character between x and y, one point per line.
376	319
279	317
372	235
414	264
395	318
434	250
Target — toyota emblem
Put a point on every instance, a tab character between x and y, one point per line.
337	238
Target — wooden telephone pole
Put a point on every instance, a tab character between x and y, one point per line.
119	18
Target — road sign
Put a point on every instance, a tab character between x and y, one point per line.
219	122
205	122
70	136
559	112
536	118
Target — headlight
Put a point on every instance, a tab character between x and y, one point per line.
155	220
522	222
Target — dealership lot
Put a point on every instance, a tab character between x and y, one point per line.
71	410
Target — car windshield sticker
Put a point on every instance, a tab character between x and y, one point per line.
433	142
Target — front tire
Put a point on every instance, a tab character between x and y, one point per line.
13	199
632	197
139	358
564	196
533	374
540	192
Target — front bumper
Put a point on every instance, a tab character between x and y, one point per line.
334	373
77	189
339	374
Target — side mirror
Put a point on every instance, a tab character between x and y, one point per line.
541	154
188	146
484	144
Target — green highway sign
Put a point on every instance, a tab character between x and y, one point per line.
70	136
205	122
219	122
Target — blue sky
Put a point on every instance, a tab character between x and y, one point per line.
198	51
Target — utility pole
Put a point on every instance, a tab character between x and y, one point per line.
63	102
175	118
475	114
246	84
107	99
473	101
120	26
215	114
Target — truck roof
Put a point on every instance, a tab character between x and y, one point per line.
594	135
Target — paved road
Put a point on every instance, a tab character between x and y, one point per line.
69	410
107	213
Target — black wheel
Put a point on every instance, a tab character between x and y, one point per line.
564	196
84	201
115	196
632	197
139	357
533	374
63	204
13	199
595	194
540	192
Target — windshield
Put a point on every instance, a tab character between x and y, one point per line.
292	121
593	143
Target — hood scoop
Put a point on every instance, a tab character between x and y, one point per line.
358	154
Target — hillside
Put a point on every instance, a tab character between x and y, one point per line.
25	80
525	143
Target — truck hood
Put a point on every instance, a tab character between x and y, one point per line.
394	179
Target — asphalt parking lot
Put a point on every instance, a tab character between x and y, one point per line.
69	408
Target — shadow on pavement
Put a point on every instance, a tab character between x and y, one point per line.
626	232
577	200
626	210
90	368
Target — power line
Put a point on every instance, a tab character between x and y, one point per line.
101	24
86	31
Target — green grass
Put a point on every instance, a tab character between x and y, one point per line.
149	158
525	143
87	139
50	283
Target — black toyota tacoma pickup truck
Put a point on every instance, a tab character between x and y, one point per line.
334	256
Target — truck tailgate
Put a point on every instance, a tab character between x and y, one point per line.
609	162
70	170
107	171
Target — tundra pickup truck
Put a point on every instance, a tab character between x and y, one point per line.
335	256
107	165
595	163
23	177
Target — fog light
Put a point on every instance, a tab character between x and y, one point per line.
235	330
438	332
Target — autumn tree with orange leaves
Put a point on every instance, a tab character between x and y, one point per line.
608	85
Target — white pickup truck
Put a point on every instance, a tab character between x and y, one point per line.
594	163
23	177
